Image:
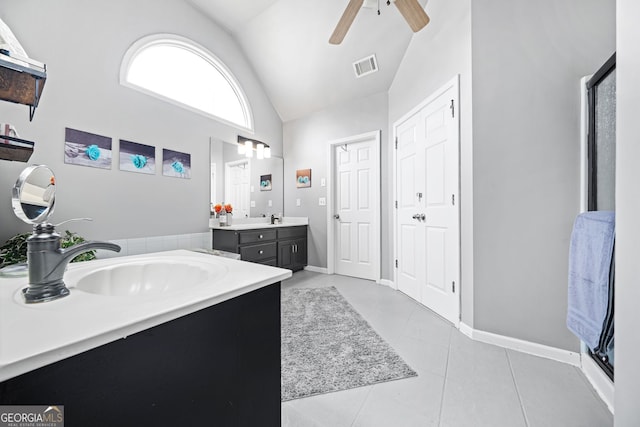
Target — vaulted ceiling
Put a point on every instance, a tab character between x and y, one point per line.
287	43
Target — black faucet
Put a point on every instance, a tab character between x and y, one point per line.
47	263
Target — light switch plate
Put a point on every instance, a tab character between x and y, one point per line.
322	201
252	189
253	203
323	182
297	202
270	203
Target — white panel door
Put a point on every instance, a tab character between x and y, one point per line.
441	224
428	231
356	202
237	186
409	232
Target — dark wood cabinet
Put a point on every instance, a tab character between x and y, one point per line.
216	367
284	247
292	248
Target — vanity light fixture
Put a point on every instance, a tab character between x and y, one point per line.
247	146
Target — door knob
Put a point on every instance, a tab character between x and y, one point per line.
336	216
416	216
423	217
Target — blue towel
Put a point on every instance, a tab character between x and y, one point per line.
590	254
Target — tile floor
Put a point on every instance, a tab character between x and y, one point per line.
460	382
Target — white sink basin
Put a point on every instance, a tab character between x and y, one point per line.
144	277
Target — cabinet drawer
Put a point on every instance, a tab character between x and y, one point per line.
272	262
258	252
256	236
290	232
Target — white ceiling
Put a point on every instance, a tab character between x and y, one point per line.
287	43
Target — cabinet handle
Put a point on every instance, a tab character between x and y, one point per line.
260	251
260	236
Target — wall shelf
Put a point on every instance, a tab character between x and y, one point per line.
15	149
21	81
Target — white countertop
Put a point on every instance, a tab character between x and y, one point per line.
258	223
35	335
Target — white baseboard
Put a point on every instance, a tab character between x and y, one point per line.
387	282
599	380
553	353
466	329
315	269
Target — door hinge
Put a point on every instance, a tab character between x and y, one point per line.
453	199
396	263
396	142
453	287
396	204
453	109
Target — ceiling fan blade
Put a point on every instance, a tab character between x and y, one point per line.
345	21
413	13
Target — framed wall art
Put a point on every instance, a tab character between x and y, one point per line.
135	157
176	164
87	149
303	178
265	182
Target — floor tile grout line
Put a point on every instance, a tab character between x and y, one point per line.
361	406
590	387
444	383
515	384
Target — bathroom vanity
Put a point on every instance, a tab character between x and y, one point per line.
199	349
282	245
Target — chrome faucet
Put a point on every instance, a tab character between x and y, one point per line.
47	262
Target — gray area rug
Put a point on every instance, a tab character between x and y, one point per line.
327	346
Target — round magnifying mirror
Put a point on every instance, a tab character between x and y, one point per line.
34	194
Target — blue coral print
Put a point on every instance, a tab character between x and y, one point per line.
93	152
178	167
138	160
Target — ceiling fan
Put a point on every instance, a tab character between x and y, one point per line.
411	10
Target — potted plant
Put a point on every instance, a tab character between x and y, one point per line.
14	251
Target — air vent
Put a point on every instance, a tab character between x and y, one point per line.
365	66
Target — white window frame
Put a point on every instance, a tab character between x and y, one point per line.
176	40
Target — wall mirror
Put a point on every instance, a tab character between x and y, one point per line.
254	187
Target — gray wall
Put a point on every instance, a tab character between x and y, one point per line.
306	146
627	214
435	55
528	58
83	45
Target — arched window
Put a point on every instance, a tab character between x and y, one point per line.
184	73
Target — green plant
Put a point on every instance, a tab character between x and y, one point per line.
14	251
70	239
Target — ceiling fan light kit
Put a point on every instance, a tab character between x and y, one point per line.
410	10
